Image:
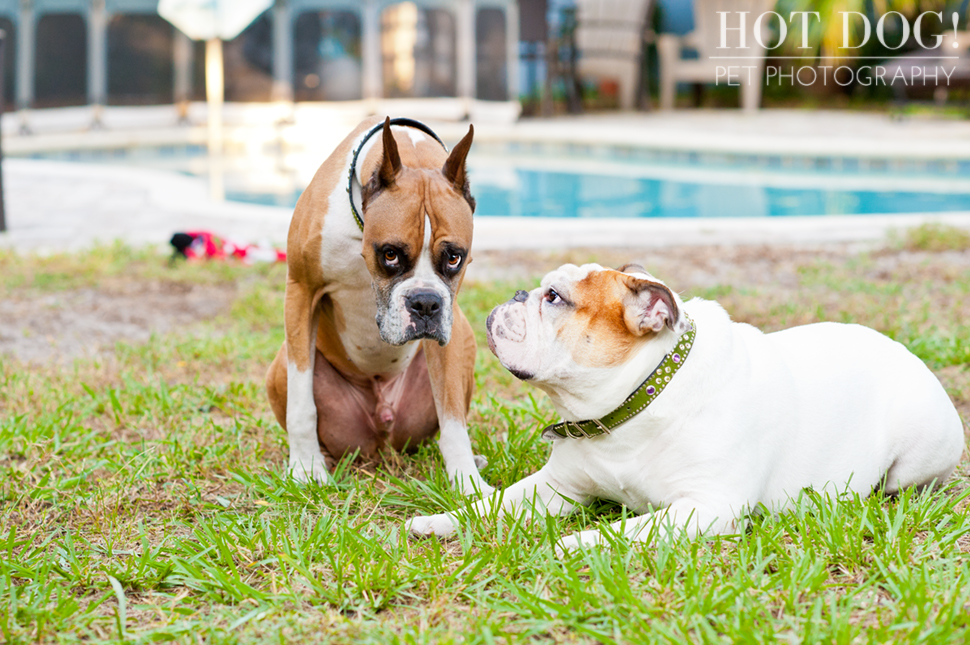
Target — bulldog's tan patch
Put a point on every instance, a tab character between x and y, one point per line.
597	333
613	313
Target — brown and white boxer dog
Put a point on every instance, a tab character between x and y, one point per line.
342	383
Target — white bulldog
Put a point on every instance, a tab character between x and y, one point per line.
723	418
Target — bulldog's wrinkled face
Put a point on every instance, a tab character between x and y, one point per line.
417	237
581	321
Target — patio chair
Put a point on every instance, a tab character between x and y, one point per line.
609	40
705	39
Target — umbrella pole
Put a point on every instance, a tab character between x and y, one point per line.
215	90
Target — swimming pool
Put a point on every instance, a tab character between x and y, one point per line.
556	193
537	182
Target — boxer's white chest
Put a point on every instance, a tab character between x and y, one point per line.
349	287
359	334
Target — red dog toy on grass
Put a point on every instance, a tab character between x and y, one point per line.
194	245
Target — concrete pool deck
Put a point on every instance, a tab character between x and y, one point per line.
53	206
61	206
810	133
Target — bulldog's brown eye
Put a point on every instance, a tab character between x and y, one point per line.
390	257
454	260
552	297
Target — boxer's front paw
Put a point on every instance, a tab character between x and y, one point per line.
309	468
581	540
423	526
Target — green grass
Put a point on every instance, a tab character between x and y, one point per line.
141	498
936	237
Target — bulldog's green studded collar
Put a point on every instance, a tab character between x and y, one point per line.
352	177
637	402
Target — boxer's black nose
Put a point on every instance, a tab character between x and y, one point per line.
521	296
423	303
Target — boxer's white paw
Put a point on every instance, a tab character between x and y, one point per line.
583	539
310	468
423	526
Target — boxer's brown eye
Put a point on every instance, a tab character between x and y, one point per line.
454	260
390	258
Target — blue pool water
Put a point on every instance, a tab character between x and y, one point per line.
539	193
547	193
593	182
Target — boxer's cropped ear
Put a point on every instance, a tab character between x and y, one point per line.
454	168
649	306
391	163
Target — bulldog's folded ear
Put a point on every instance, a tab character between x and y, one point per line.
454	168
650	306
632	267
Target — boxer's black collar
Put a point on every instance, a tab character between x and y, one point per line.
411	123
637	402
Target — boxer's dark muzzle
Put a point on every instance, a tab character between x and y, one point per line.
423	304
424	307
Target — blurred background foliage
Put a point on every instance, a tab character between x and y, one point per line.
825	35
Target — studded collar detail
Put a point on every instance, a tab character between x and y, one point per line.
637	402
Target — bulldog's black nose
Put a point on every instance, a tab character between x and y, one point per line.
521	296
423	303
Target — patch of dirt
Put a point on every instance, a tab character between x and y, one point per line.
59	327
56	327
680	267
771	268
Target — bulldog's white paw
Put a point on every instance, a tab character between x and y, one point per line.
472	484
440	525
481	461
310	468
581	540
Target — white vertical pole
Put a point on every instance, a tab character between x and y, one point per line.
466	52
3	46
282	52
26	44
97	59
512	46
215	92
371	49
